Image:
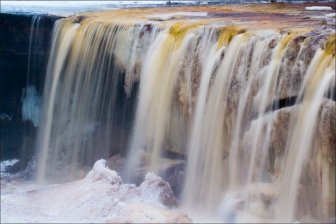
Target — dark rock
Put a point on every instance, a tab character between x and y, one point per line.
272	44
79	19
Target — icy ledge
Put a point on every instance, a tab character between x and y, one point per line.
99	197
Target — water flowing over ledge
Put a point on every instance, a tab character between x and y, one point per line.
242	96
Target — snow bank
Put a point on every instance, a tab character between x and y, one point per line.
4	165
69	7
331	15
318	8
170	16
63	8
99	197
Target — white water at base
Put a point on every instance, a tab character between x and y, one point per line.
209	92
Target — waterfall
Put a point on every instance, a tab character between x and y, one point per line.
81	104
318	79
30	97
33	41
245	107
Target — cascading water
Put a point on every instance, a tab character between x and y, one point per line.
81	93
32	86
319	78
30	102
221	95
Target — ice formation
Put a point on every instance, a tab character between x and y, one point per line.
4	116
31	105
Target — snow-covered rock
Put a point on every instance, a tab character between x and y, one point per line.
319	8
100	172
99	197
331	15
170	16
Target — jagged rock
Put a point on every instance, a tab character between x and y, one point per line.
171	170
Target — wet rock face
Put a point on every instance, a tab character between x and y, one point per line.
278	140
326	132
296	60
17	138
322	168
